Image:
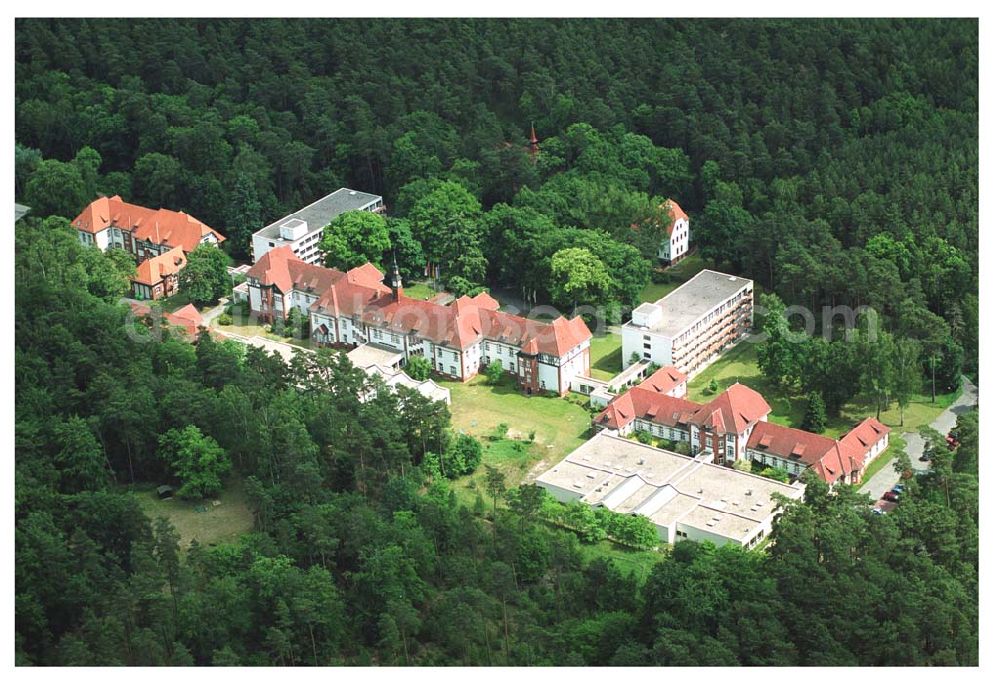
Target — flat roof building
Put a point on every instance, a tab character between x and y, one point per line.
689	327
684	497
302	230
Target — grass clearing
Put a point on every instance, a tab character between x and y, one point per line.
559	425
420	290
677	276
628	560
216	524
606	356
740	364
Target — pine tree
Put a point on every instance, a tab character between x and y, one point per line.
815	418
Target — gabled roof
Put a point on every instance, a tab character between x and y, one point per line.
467	320
281	268
159	226
664	379
830	458
675	213
187	317
857	441
790	443
733	410
646	404
155	269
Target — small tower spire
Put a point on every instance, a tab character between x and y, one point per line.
533	141
397	280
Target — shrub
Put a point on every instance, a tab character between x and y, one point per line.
743	465
494	372
418	368
500	432
462	457
225	319
776	473
645	437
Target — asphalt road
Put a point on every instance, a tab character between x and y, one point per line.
887	477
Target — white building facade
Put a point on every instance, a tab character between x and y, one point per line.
303	230
690	327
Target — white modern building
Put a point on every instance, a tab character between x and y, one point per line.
685	497
302	230
690	327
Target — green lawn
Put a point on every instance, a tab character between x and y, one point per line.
627	560
740	364
419	290
678	275
559	425
606	356
201	520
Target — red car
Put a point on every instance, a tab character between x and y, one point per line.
890	496
952	442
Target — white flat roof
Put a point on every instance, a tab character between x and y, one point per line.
692	301
368	354
629	477
320	213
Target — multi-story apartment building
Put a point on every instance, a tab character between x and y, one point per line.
356	308
690	327
675	247
734	427
302	230
111	222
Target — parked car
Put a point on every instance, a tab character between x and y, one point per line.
898	488
952	442
925	457
890	496
876	510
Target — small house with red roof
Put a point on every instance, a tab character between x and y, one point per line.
459	338
187	319
158	276
674	247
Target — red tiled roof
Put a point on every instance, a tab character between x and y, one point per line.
664	380
790	443
460	324
155	269
159	226
186	317
675	213
830	458
857	441
649	405
281	268
733	410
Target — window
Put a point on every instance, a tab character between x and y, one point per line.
453	372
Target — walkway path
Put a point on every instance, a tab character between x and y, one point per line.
885	478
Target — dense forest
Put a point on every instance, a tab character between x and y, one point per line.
361	552
834	162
